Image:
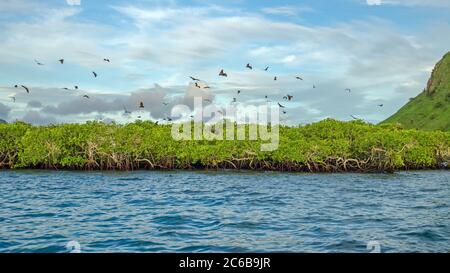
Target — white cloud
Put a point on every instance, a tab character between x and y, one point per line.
373	2
289	59
19	6
73	2
169	44
430	3
287	10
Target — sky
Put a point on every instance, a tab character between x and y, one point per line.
383	50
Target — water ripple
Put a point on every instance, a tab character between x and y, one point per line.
42	211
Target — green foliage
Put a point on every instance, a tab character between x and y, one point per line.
328	145
10	139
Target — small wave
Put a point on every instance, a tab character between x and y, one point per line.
212	248
131	179
194	212
427	234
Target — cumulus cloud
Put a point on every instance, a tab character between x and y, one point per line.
157	102
35	117
4	111
109	103
166	45
34	104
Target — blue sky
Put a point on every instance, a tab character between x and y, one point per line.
383	50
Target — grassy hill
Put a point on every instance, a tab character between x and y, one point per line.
430	110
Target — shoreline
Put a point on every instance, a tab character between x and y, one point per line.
314	167
219	170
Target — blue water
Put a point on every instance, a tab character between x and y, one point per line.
42	211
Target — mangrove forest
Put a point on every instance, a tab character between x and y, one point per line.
326	146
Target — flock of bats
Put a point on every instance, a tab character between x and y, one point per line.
197	82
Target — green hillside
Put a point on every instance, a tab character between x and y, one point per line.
430	110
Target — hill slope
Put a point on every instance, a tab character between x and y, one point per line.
430	110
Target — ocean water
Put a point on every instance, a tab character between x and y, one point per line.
42	211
